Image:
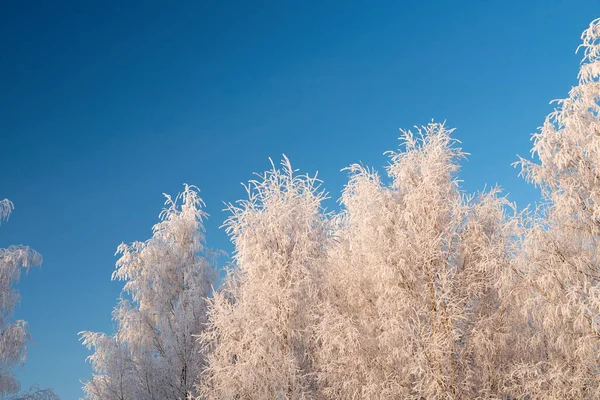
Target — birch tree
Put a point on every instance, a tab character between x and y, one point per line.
153	354
14	334
261	322
417	288
560	262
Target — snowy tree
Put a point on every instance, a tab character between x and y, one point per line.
261	323
13	334
560	254
153	353
417	290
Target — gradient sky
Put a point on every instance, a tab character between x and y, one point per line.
106	105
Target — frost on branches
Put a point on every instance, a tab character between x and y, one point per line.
261	323
153	353
13	334
413	290
417	288
404	294
560	262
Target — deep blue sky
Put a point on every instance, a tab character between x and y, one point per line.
105	105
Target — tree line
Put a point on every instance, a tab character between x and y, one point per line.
414	289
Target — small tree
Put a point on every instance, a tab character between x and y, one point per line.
13	334
560	254
417	288
153	354
261	322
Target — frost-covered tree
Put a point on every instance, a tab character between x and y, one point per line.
417	290
561	263
13	334
153	353
261	323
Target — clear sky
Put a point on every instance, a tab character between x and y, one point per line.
106	105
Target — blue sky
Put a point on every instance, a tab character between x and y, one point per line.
106	105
